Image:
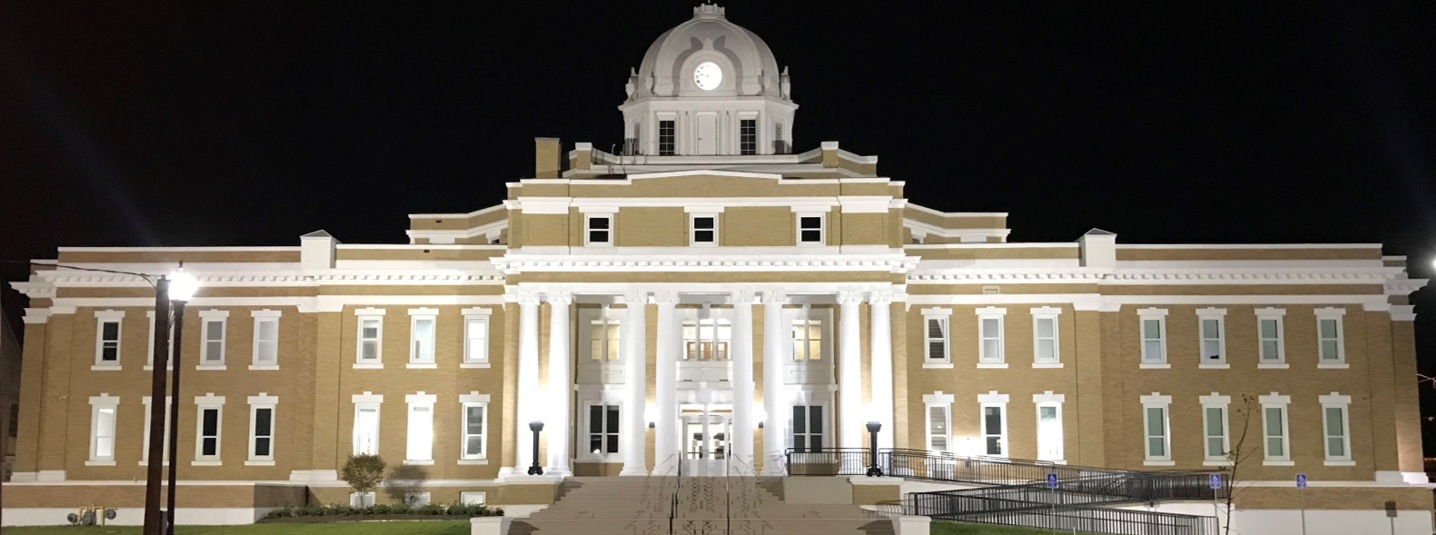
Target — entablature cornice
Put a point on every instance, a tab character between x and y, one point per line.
676	261
1391	278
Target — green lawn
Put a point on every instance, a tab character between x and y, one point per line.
962	528
346	528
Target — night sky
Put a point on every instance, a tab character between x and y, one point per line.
246	124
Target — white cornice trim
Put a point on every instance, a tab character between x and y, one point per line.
478	212
931	229
893	263
922	208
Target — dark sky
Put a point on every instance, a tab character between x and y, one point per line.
175	123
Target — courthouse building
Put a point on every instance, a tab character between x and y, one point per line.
713	295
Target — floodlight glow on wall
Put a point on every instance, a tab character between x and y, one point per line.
183	285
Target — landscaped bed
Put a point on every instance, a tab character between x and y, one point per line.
445	527
319	514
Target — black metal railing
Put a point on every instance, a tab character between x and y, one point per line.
827	461
1064	519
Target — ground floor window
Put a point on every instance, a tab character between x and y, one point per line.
807	428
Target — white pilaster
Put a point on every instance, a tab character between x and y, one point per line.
634	339
850	369
882	366
560	391
742	353
665	439
775	404
529	396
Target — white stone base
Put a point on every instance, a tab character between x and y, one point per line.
912	525
135	516
490	525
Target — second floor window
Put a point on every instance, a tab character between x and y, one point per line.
807	339
369	332
706	339
600	230
603	337
422	340
213	342
108	346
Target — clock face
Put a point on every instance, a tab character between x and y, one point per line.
708	75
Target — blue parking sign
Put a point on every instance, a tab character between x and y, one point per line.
1051	481
1216	481
1301	481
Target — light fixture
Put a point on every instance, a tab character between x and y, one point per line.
182	285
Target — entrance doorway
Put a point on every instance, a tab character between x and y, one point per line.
706	443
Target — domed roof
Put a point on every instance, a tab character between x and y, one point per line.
749	67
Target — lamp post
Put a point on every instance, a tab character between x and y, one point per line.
536	470
873	469
182	289
153	519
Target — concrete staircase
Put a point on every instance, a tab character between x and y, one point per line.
706	506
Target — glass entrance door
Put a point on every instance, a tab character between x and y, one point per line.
706	443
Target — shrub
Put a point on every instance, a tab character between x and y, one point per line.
399	509
363	472
381	509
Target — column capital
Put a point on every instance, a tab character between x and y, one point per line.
665	298
880	298
743	297
774	296
632	297
560	298
527	297
850	298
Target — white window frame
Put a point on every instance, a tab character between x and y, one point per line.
102	317
98	404
209	401
943	315
1054	315
367	400
984	401
1049	400
586	435
693	228
822	229
369	314
1222	403
1331	314
261	317
984	360
419	449
467	401
588	218
206	317
145	451
1218	315
715	322
1330	401
416	356
1280	402
826	437
474	497
1277	315
476	355
809	320
1157	401
608	322
933	401
263	401
1158	315
150	344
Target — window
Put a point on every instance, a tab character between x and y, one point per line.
810	230
603	422
994	425
1211	330
475	418
989	335
1154	337
1328	334
371	336
748	136
421	429
939	428
473	498
1215	441
421	337
1156	430
1046	351
212	331
936	321
665	138
107	338
1334	410
208	426
807	337
706	338
1275	430
600	230
476	336
366	423
603	336
145	451
103	409
704	230
807	428
261	429
1049	425
1269	332
416	499
266	339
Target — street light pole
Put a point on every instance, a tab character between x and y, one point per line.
153	519
182	289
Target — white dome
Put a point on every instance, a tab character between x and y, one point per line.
748	65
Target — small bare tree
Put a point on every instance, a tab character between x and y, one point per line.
1242	450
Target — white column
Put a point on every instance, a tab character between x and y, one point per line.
850	369
665	439
560	390
776	338
634	335
742	352
882	366
529	398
